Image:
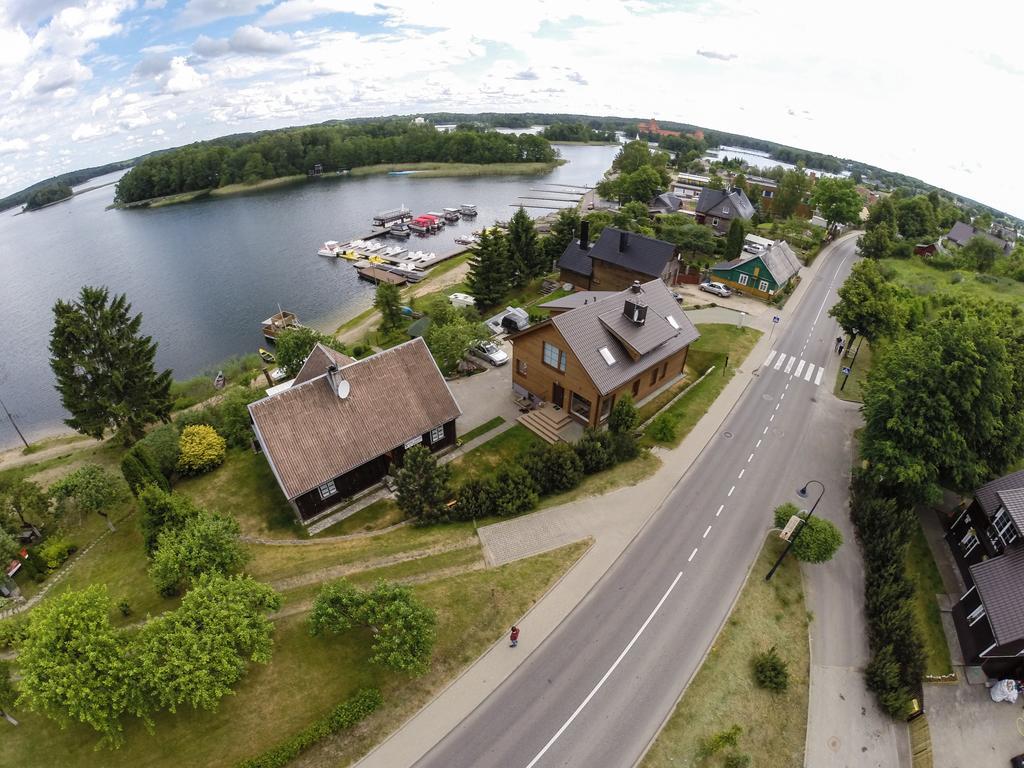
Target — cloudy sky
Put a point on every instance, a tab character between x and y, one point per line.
927	88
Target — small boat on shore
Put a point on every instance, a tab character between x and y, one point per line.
267	355
219	381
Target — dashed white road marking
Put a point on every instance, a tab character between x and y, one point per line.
772	418
777	406
740	476
719	510
759	442
731	490
765	431
706	532
689	559
750	458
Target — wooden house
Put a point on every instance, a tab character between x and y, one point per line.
760	273
718	207
613	343
617	260
343	425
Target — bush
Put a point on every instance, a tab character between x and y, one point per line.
54	552
202	449
13	630
623	416
883	678
595	450
510	492
162	444
342	717
817	541
423	486
140	469
125	608
737	760
663	429
555	467
715	743
783	512
234	416
770	671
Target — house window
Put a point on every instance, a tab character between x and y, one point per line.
606	407
768	193
437	434
1004	526
975	616
654	376
725	211
327	490
714	221
636	388
744	279
763	286
968	542
664	369
521	367
580	406
554	357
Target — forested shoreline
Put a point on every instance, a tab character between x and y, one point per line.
333	148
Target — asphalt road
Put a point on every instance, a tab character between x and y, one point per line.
597	690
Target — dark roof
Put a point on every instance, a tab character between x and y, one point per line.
779	260
713	202
418	327
586	331
310	435
642	254
962	234
666	201
317	361
576	259
1000	584
576	299
987	495
1013	500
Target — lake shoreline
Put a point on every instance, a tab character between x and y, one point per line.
416	170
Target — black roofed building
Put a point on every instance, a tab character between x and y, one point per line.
617	260
718	207
342	424
962	234
582	359
665	203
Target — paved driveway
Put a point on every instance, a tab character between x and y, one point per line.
485	395
968	729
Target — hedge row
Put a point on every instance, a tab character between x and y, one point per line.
344	716
884	528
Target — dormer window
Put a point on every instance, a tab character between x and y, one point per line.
1004	526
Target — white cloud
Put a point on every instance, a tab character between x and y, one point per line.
7	146
181	77
86	131
61	74
100	102
250	39
716	55
153	65
296	11
199	12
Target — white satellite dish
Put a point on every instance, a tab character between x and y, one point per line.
343	389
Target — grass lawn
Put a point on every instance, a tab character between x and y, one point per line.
485	459
487	426
306	677
923	280
924	575
854	389
718	340
107	454
724	693
244	487
619	476
380	514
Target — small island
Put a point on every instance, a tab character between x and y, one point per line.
48	196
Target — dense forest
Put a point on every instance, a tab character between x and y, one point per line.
71	178
334	147
576	132
51	194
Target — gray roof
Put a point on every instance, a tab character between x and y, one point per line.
962	233
646	255
666	202
576	299
576	259
779	260
987	495
586	331
1000	583
317	361
1013	500
715	202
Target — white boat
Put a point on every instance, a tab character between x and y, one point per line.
330	248
468	210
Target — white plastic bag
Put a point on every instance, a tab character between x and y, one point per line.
1004	690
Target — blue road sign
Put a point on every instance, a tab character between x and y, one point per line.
775	319
846	370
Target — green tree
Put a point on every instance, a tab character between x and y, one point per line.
26	501
104	367
489	276
9	548
623	417
981	253
196	653
8	693
869	304
691	237
982	221
206	543
634	217
640	186
388	301
881	212
598	220
73	664
527	255
422	485
162	444
403	628
877	242
837	200
817	541
793	189
734	240
915	218
555	468
139	469
160	511
91	489
294	344
448	342
770	671
563	231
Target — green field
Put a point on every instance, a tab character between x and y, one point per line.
924	280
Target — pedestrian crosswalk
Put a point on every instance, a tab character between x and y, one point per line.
804	369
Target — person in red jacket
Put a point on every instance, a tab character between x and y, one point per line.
514	637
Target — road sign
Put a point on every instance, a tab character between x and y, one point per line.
775	319
846	370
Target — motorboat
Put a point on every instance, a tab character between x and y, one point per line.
451	214
467	210
330	248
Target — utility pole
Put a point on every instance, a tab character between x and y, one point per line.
13	424
802	493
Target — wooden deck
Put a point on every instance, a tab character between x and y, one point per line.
375	275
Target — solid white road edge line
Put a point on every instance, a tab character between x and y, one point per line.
611	669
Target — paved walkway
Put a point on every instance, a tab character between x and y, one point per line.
612	520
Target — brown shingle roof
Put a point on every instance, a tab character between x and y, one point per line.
317	361
1013	500
1000	583
988	494
310	435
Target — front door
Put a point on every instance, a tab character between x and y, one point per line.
557	394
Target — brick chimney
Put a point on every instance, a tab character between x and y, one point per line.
585	235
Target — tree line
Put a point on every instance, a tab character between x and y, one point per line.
294	151
575	132
47	195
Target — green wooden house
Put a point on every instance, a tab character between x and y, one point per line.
762	273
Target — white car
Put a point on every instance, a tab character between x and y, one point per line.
716	288
489	352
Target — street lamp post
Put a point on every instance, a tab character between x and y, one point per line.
802	493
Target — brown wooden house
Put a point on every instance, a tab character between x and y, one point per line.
616	260
343	424
628	342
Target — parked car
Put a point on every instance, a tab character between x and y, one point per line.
489	352
754	248
716	288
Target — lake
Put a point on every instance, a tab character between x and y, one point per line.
205	274
760	160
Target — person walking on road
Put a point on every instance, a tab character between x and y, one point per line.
514	637
839	340
841	348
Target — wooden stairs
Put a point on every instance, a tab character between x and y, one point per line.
546	422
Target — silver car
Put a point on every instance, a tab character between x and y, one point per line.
489	352
716	288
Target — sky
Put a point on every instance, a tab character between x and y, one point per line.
930	89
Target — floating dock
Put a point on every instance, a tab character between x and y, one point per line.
378	275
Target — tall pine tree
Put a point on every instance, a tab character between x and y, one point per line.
104	366
489	274
528	259
562	232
